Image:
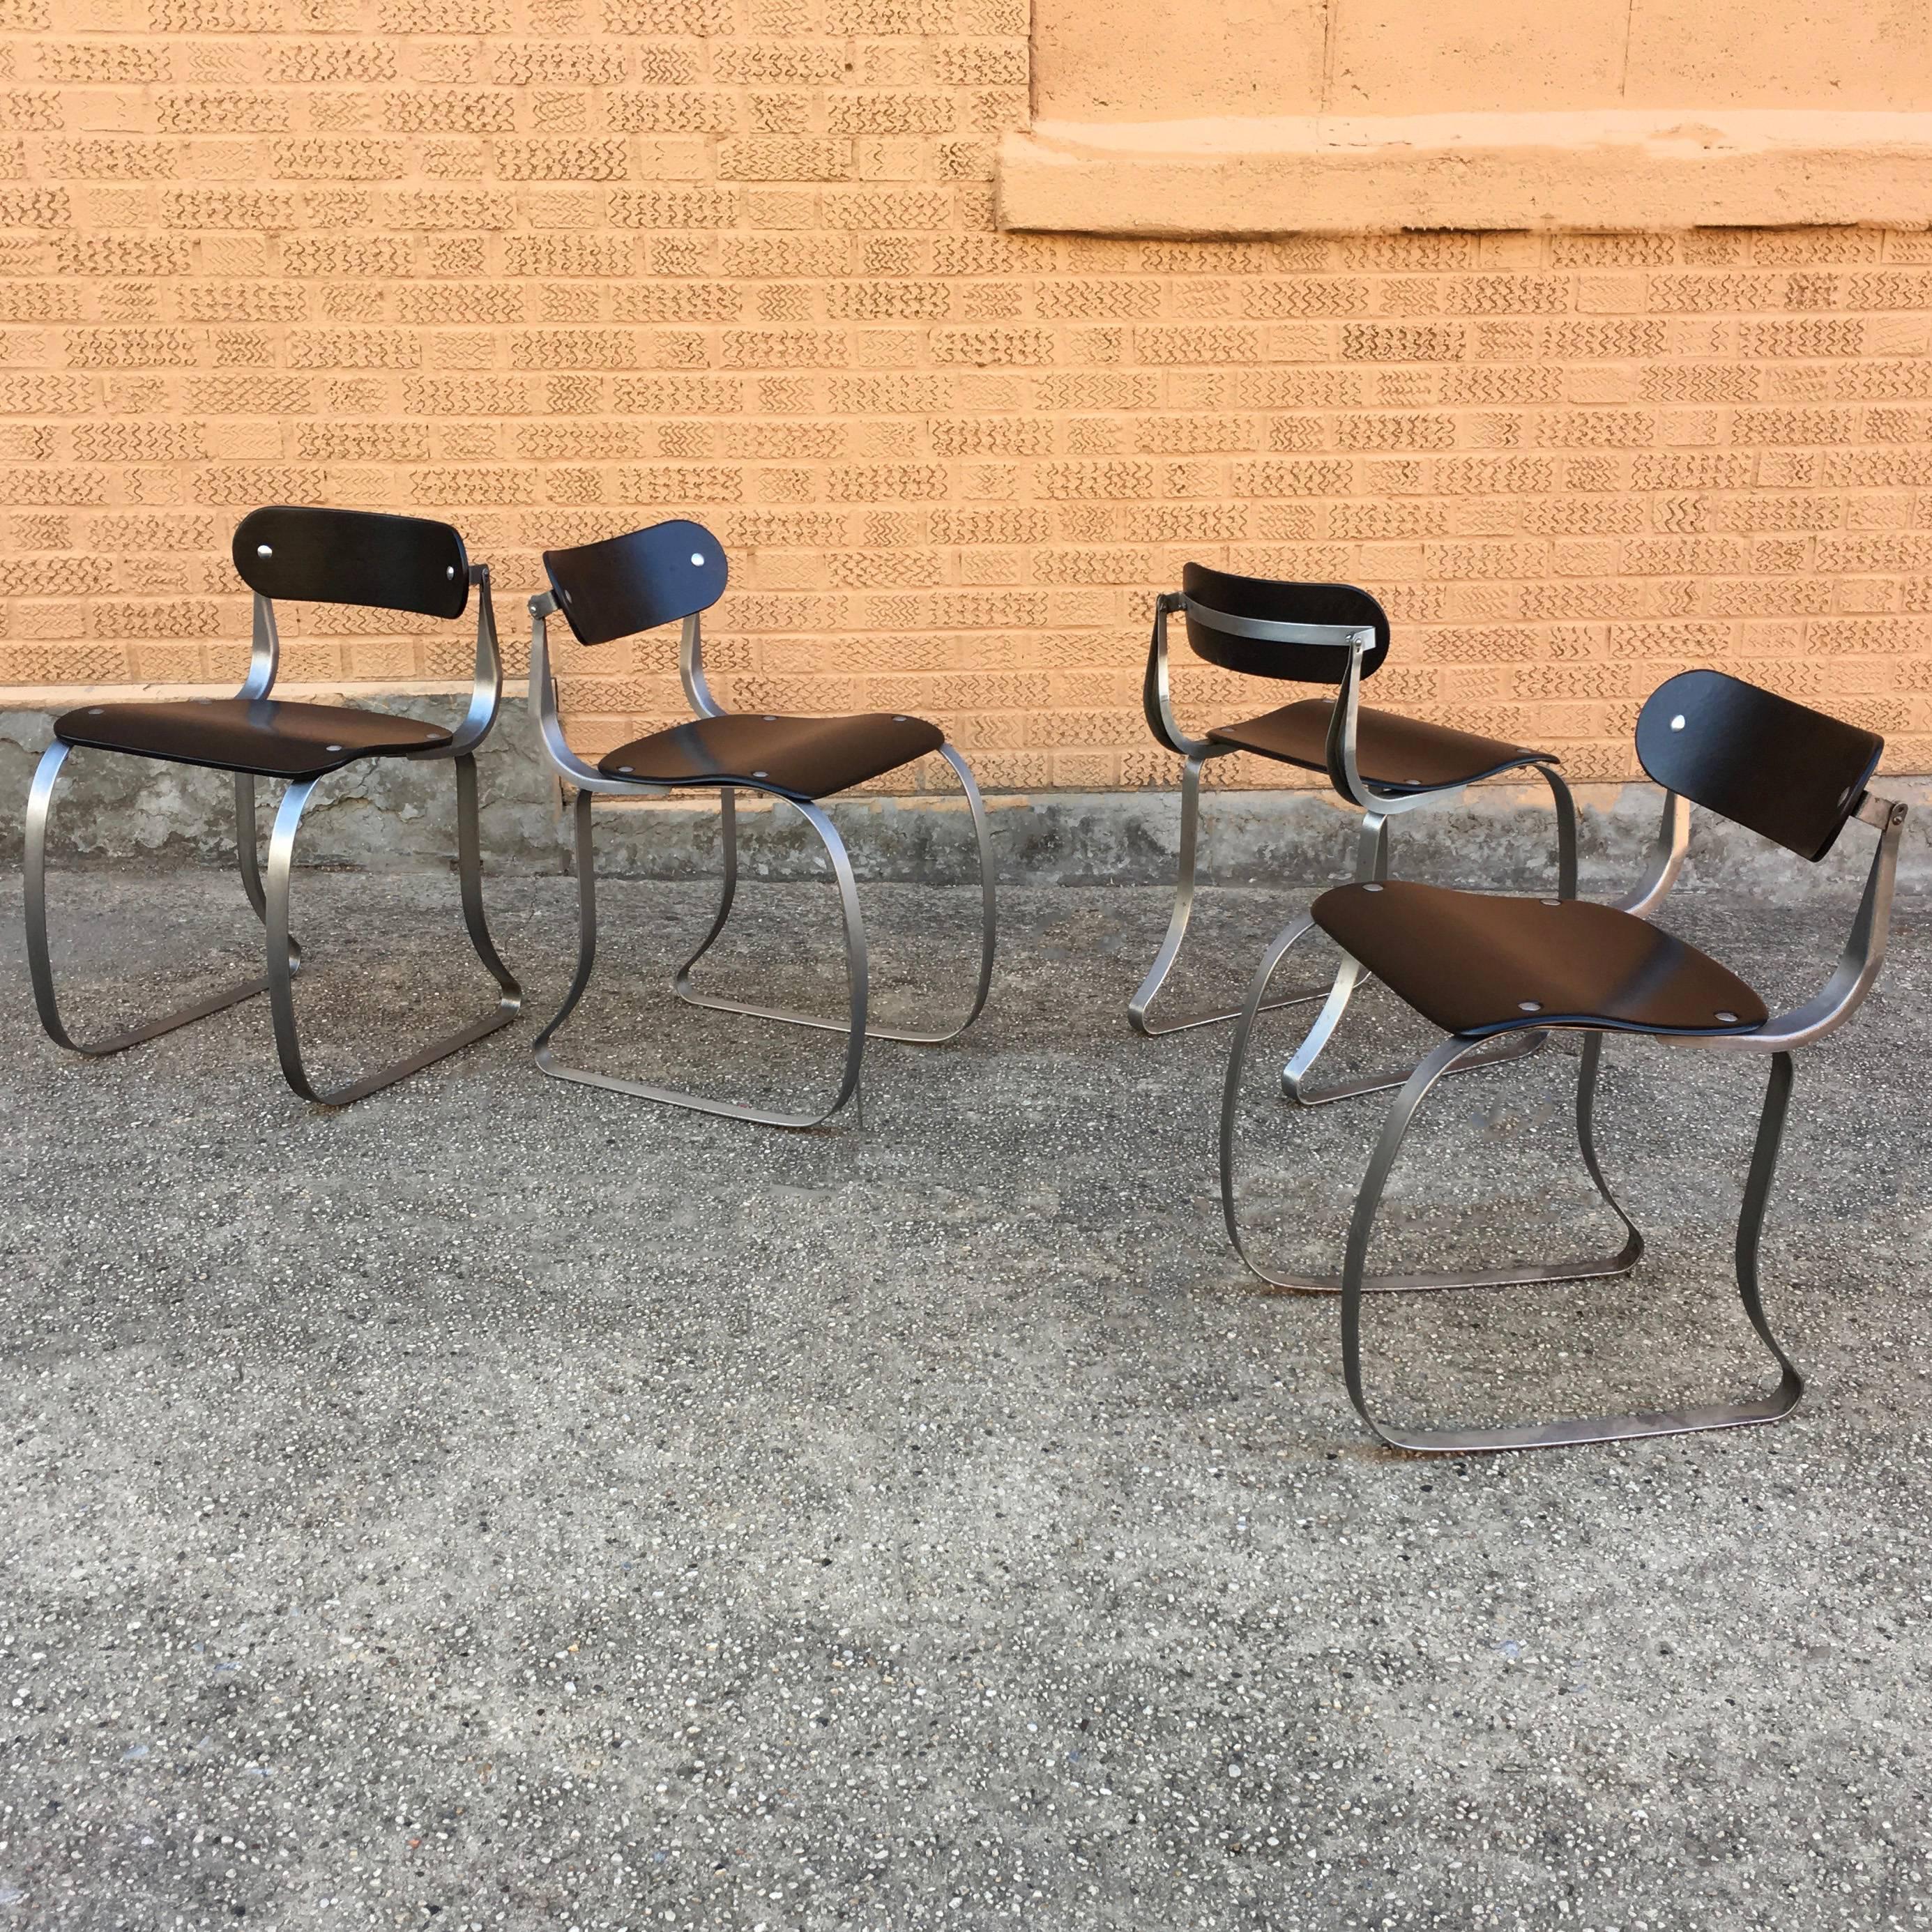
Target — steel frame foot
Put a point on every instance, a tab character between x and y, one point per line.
1772	1407
857	981
282	960
39	965
728	813
1295	1085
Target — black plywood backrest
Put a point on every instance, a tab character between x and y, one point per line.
354	556
633	582
1785	771
1274	602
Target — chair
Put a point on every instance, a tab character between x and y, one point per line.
672	572
1382	763
321	557
1484	967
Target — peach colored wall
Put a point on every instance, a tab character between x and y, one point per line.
1125	60
550	268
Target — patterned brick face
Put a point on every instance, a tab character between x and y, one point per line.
552	268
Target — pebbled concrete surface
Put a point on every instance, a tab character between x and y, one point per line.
505	1505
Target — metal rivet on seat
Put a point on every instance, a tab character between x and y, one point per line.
1371	889
331	748
624	771
898	721
95	710
263	550
697	558
449	570
761	775
1552	902
771	717
1725	1019
1677	723
1529	1006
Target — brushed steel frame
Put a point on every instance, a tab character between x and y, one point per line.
1378	805
590	784
1857	969
270	898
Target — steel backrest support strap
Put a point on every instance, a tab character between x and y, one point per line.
1249	624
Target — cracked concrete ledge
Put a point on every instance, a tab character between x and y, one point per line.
391	815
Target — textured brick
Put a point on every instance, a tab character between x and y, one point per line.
449	110
221	110
673	110
670	207
306	62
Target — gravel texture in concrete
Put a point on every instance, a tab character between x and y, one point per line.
506	1504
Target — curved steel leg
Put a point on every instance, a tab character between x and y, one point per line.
281	961
1771	1408
681	980
1294	1084
39	965
1566	832
1149	988
1513	1274
856	980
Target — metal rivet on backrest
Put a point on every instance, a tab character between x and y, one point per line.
1529	1006
1552	902
95	710
1371	889
449	570
263	550
1727	1019
761	775
697	558
1677	723
331	748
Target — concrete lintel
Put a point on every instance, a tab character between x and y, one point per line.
1596	170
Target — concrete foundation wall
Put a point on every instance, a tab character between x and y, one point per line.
390	814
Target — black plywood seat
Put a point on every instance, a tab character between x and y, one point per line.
803	758
264	736
1404	754
1477	964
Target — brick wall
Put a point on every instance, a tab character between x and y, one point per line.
552	268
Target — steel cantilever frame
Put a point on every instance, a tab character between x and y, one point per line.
263	659
1857	969
697	692
1378	806
590	784
271	900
